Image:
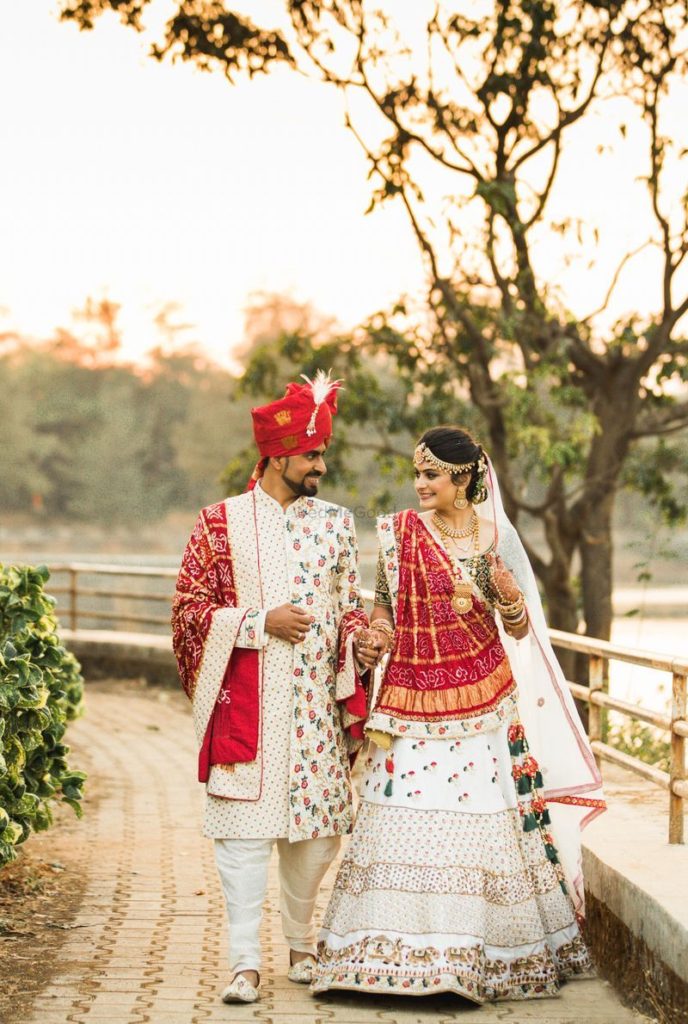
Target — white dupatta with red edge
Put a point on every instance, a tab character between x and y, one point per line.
555	734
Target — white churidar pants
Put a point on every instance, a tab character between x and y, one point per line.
243	868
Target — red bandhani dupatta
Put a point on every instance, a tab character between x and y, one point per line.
444	666
226	704
354	704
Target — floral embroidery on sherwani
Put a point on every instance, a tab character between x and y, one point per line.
312	701
326	583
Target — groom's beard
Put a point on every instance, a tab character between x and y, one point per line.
306	487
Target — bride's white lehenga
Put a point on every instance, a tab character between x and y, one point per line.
441	889
456	878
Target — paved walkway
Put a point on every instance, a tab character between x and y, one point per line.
148	945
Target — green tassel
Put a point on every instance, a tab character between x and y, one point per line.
551	853
388	788
538	780
563	887
545	819
529	822
524	785
516	748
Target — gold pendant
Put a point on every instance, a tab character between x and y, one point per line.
462	600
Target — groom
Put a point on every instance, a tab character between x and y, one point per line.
269	636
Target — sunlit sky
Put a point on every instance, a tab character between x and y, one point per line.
150	183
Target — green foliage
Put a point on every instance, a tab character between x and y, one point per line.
641	741
41	690
374	426
110	443
654	469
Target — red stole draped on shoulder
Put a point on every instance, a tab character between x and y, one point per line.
444	666
204	586
230	715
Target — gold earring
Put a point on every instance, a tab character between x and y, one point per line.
461	501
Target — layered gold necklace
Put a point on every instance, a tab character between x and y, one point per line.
462	599
471	530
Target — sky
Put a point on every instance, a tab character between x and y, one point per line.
149	183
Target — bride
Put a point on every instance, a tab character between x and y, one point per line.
463	870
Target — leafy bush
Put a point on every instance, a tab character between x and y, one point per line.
642	741
41	689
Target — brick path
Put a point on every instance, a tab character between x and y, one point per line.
149	939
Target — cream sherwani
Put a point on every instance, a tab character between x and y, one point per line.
305	555
246	556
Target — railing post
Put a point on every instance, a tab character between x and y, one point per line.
677	767
595	683
73	595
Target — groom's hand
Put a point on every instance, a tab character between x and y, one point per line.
288	622
368	648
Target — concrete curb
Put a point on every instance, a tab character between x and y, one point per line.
637	920
106	653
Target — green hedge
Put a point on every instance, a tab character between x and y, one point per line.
41	689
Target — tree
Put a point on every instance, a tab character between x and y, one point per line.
89	438
476	103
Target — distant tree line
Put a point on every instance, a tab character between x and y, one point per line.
85	436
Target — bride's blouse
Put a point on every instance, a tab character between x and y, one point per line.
475	566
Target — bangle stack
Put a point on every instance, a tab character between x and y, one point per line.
382	626
514	615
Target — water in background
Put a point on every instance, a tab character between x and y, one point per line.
668	636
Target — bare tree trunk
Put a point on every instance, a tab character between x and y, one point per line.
596	568
607	456
596	577
561	609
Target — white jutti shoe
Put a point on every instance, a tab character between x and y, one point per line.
302	972
240	990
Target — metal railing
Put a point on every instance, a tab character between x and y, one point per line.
598	652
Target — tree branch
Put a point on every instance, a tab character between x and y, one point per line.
569	117
545	194
666	421
678	312
656	164
501	282
615	280
389	111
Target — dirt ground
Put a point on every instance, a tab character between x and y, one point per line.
40	895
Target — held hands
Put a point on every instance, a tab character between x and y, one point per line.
369	646
288	622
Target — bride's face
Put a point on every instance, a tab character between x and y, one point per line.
435	490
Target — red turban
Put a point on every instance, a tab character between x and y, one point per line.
297	423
